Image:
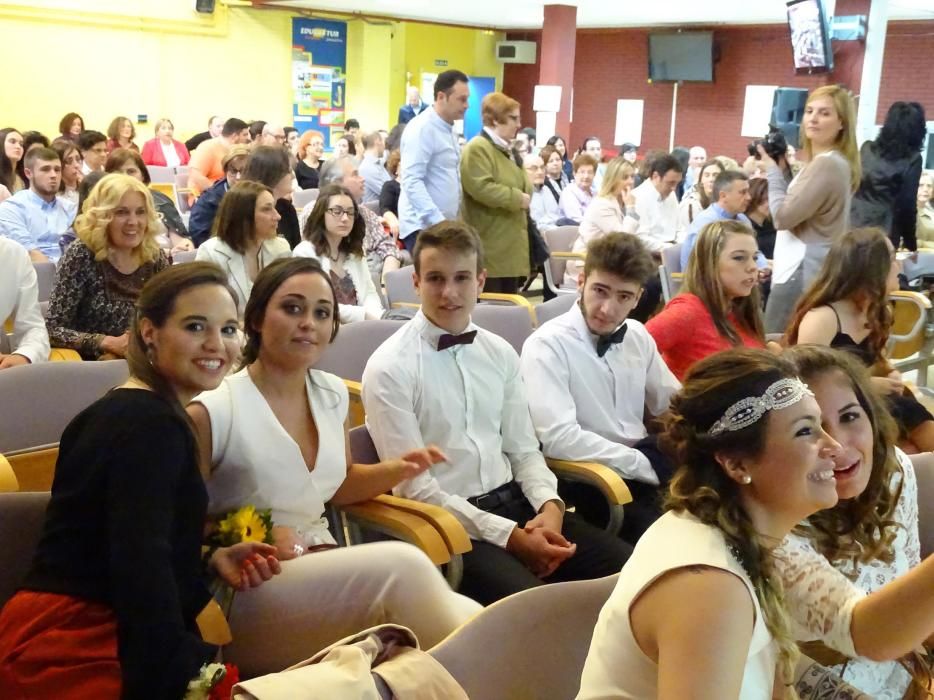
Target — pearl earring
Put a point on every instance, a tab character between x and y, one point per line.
747	479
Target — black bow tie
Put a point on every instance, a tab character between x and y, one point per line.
604	342
449	341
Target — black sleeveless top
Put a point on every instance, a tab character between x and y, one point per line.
843	341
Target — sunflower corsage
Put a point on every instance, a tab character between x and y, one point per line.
247	524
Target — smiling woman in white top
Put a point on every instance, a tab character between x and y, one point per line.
697	612
244	239
334	235
273	435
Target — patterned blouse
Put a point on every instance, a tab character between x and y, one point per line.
92	299
820	595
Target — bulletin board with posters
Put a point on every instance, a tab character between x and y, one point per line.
319	76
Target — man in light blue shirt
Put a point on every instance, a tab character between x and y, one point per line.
730	199
36	218
431	184
371	167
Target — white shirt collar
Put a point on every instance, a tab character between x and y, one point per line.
430	332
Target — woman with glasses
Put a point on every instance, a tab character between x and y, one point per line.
334	236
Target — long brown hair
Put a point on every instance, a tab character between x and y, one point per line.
855	269
316	228
235	223
702	487
845	143
702	197
702	279
157	302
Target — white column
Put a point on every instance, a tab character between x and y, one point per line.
876	28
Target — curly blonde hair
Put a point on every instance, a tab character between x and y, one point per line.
702	487
98	211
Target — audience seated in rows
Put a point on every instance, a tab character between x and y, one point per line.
431	184
576	197
244	240
497	194
173	235
205	166
204	211
657	205
19	300
495	481
698	197
164	150
274	436
37	217
596	374
101	274
333	235
718	307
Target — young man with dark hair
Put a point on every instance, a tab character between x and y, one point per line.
37	217
206	164
595	373
431	184
442	380
657	203
93	145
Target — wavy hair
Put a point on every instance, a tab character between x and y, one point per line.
98	211
856	269
903	132
702	487
113	131
702	279
845	142
861	529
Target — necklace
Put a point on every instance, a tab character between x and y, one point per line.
334	258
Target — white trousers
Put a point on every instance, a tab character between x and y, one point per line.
323	597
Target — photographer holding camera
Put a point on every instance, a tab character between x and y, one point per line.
811	210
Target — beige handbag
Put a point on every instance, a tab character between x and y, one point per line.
381	663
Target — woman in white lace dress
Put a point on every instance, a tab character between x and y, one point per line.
840	567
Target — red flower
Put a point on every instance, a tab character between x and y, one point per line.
224	689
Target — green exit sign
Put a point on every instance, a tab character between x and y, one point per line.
441	62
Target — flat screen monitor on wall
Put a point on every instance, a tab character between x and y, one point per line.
810	36
677	56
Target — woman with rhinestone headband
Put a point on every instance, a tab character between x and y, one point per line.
698	609
867	544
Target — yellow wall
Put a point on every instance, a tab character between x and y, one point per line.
102	58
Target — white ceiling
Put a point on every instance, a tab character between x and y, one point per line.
528	14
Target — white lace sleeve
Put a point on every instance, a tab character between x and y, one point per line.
906	513
819	599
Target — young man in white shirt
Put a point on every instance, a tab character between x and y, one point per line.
595	373
19	298
441	380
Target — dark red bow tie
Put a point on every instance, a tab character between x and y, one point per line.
449	341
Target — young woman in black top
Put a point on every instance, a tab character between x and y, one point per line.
109	606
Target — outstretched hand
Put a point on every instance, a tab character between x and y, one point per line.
246	565
414	462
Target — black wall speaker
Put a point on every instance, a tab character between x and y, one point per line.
205	6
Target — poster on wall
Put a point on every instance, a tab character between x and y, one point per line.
319	76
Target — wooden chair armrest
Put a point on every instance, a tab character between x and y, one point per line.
916	297
453	533
8	482
408	304
355	413
514	299
64	355
677	275
610	483
568	255
35	468
389	520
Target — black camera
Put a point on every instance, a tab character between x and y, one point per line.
774	144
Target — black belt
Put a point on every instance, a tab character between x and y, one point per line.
507	493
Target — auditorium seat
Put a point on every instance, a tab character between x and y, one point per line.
532	644
304	197
553	308
21	518
400	288
670	271
560	241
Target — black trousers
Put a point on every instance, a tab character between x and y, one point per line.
491	573
646	506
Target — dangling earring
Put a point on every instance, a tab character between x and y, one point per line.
150	353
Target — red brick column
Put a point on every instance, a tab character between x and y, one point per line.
556	62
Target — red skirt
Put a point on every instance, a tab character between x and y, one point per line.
56	646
